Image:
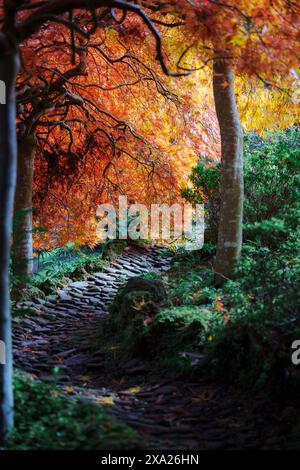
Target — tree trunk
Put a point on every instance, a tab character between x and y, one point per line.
22	233
232	182
9	64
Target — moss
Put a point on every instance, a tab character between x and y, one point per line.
138	299
175	330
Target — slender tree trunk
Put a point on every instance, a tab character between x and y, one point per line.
9	64
22	234
232	182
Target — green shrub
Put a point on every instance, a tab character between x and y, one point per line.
175	333
135	304
205	179
272	194
179	323
271	176
254	348
45	421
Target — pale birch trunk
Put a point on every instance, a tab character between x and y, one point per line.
9	64
22	234
232	182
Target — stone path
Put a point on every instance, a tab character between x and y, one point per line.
170	413
41	339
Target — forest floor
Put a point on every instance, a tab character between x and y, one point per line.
58	344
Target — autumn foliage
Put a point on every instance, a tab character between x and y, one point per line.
120	126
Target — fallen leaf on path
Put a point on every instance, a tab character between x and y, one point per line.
161	399
85	378
179	409
204	396
134	390
105	401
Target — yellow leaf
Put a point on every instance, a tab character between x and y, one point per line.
70	390
134	390
85	378
239	40
139	304
104	401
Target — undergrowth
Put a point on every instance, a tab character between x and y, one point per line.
45	421
243	330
